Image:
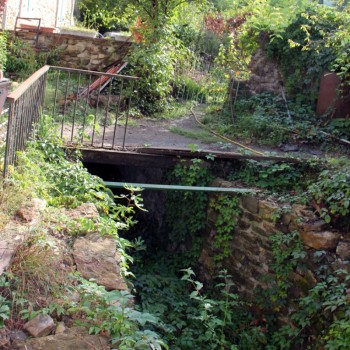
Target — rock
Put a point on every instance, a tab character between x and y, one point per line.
31	211
268	210
18	335
4	338
96	257
40	326
60	328
289	148
71	340
251	204
317	226
315	152
12	236
87	210
320	240
343	249
299	211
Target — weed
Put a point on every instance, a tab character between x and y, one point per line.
201	135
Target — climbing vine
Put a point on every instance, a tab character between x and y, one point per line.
226	208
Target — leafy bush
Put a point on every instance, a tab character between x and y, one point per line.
313	43
331	191
278	177
153	64
22	60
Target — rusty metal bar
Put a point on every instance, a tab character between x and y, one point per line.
85	110
65	103
127	115
55	97
118	110
96	111
106	116
75	108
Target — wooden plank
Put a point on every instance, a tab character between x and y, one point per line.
184	152
113	157
164	157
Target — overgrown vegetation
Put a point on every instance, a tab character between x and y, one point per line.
22	60
65	183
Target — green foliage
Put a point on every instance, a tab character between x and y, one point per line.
225	322
22	59
315	42
226	208
321	315
4	310
264	119
331	191
110	312
102	15
278	177
3	50
191	318
187	221
288	251
153	64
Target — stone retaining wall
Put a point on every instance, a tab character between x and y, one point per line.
80	52
251	247
265	76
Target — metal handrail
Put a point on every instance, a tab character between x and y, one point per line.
25	105
14	95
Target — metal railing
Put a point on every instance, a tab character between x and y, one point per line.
89	108
25	105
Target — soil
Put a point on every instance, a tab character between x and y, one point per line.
157	134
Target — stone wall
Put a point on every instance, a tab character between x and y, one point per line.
251	247
265	76
80	52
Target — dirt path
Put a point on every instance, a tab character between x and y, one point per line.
183	133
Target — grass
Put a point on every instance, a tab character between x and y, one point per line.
176	110
201	135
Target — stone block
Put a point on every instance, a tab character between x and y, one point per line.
270	228
320	240
243	224
302	211
40	326
252	218
343	249
250	203
31	211
86	210
317	226
72	339
83	54
268	210
96	257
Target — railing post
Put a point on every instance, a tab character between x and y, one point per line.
9	140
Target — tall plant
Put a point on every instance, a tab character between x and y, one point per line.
3	41
155	51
